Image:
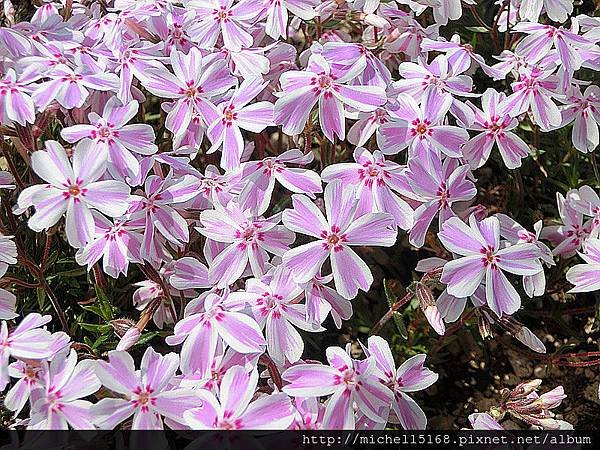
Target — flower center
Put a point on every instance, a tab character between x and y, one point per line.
104	132
490	258
333	239
324	82
74	190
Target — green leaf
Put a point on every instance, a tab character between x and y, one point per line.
106	308
100	341
100	329
41	297
147	337
68	273
93	309
478	29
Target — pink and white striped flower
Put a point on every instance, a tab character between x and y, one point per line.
343	228
200	332
411	376
74	189
234	410
374	178
235	115
483	255
248	239
195	83
495	127
145	393
215	18
57	404
321	83
348	381
70	88
111	135
421	128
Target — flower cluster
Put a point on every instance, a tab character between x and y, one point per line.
248	156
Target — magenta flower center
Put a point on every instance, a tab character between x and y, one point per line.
143	398
74	190
443	195
227	423
104	132
333	239
325	82
222	14
421	128
490	257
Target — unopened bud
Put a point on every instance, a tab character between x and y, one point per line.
129	339
553	398
429	308
121	326
524	389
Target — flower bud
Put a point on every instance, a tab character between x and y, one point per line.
553	398
427	303
524	389
129	339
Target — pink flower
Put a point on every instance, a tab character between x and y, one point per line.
145	394
513	232
248	239
110	135
541	39
27	341
274	302
70	87
343	228
411	376
374	178
348	381
216	18
321	83
56	404
534	90
116	243
584	111
321	299
15	100
134	59
200	333
495	126
586	277
421	128
572	234
73	189
157	211
195	83
234	410
461	57
438	185
277	14
235	115
259	179
418	79
482	255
